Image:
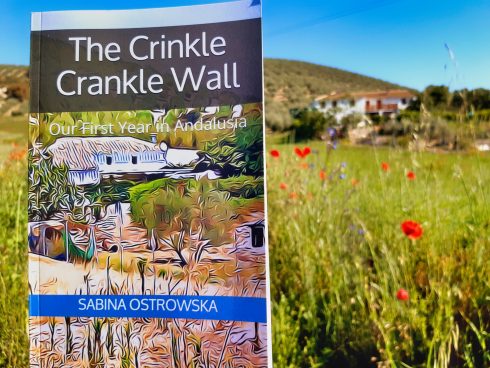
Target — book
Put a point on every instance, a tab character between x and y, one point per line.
147	225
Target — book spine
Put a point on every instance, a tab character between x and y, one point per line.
34	136
35	66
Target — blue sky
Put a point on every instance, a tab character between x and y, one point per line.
402	41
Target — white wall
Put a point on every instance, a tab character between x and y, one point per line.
345	108
122	162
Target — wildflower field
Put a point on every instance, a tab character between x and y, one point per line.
379	257
13	253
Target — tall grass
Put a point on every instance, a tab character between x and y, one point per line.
338	257
13	262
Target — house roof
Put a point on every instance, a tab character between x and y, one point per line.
79	153
393	93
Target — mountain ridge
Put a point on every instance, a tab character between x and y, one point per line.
296	84
288	83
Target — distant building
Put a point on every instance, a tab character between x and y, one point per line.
90	159
366	103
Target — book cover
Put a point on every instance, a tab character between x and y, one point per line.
147	225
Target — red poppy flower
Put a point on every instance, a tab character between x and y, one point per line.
385	166
304	165
302	153
283	186
293	195
411	175
18	154
275	153
355	182
323	175
412	229
402	295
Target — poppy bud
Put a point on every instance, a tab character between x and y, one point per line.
275	153
402	295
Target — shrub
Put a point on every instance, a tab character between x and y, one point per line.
309	124
242	186
277	116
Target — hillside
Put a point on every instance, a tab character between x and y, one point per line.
288	84
297	83
13	74
16	79
14	105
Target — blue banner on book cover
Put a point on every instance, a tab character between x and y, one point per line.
147	226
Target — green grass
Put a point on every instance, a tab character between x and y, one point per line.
14	126
13	130
338	257
13	249
13	265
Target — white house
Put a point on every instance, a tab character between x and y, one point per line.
365	103
90	159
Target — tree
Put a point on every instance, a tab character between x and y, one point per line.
239	152
458	99
51	192
309	124
416	103
479	99
437	97
211	214
162	205
183	210
277	116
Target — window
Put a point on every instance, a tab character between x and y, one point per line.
404	101
108	160
134	160
334	104
257	236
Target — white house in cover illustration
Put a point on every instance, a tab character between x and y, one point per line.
366	103
91	159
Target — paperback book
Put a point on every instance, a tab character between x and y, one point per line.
147	227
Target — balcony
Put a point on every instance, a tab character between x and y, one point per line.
381	108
